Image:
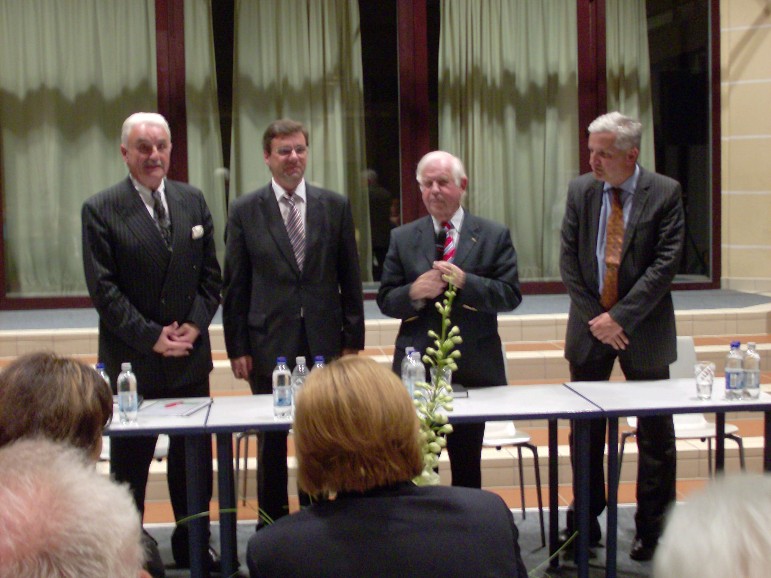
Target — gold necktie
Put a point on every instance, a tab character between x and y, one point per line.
614	241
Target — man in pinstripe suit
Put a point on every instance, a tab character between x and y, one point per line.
621	306
152	273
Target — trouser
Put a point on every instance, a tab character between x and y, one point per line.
657	460
464	447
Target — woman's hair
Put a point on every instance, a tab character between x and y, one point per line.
60	398
355	429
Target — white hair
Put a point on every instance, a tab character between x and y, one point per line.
458	172
60	518
628	131
723	530
143	118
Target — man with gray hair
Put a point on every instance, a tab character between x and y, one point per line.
622	239
60	518
152	273
479	257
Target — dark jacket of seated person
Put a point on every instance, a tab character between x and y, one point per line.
356	436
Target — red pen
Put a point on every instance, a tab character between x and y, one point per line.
173	403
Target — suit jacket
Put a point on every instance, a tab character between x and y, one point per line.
402	530
487	256
265	290
650	257
138	286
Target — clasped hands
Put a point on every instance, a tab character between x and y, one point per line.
433	282
176	340
606	330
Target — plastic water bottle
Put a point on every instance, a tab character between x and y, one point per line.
734	373
282	390
318	362
103	373
751	366
418	369
406	369
299	375
127	394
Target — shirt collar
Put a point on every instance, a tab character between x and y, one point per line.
145	193
629	186
280	191
456	220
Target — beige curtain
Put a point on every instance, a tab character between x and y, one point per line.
204	139
302	59
508	108
628	68
70	72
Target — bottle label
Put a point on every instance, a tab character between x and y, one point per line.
733	379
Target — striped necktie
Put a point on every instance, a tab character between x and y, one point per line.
295	230
449	243
614	241
161	219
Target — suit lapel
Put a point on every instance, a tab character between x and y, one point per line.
469	236
639	201
594	206
425	241
137	219
315	223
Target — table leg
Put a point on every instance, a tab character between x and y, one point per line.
719	443
227	503
553	493
196	502
581	499
613	479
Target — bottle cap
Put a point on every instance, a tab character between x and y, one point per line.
281	360
735	343
300	360
125	366
99	365
319	359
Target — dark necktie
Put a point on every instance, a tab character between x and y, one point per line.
449	243
614	241
295	230
162	219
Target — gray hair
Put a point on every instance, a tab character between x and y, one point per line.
143	117
458	172
628	131
722	530
60	517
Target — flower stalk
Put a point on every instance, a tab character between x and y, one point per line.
433	400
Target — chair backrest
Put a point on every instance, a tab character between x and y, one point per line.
500	430
682	367
686	358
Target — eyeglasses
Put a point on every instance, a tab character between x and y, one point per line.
301	150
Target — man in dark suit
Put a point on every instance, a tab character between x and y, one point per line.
283	298
620	303
484	271
152	273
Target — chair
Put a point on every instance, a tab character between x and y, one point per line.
689	426
244	437
161	448
504	433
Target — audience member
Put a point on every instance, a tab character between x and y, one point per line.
61	519
43	394
60	398
356	436
723	530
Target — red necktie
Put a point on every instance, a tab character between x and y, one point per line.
614	241
449	244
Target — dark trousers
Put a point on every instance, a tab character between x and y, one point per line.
464	447
657	460
130	459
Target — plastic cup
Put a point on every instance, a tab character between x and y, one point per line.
705	376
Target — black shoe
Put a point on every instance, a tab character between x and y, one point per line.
211	559
642	552
569	549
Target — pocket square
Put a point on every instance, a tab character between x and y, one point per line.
197	231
